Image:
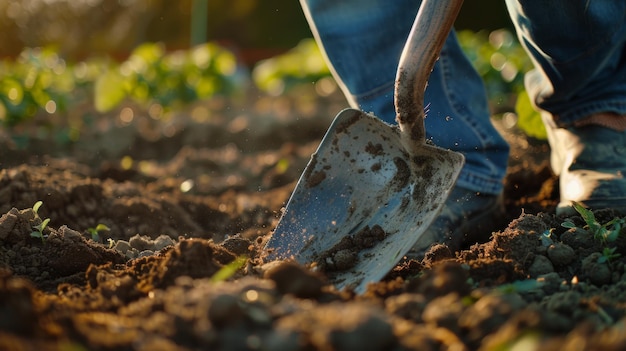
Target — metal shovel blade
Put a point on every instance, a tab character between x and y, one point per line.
371	189
362	201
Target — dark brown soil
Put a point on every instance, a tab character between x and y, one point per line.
190	204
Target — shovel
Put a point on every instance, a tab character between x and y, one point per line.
371	189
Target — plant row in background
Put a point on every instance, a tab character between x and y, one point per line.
40	81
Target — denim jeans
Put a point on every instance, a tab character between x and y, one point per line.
576	45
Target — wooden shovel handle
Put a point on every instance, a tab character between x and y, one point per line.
432	25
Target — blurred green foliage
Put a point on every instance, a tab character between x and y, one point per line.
150	75
301	65
528	119
39	80
501	62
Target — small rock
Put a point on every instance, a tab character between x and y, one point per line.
225	310
541	265
27	214
238	245
550	282
407	306
445	312
7	222
563	302
291	278
561	254
69	233
140	242
162	242
122	246
489	313
577	238
145	253
344	259
597	273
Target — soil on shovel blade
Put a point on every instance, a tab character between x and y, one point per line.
189	205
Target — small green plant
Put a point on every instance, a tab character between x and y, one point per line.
229	270
111	243
605	233
520	286
547	237
95	232
608	255
38	229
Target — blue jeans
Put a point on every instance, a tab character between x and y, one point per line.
363	39
578	47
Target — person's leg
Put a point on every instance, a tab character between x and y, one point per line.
362	41
579	84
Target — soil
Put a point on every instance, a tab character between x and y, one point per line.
190	201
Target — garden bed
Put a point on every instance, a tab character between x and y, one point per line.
189	203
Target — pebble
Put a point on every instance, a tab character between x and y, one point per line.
541	265
561	254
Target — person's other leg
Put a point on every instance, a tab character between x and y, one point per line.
362	41
579	84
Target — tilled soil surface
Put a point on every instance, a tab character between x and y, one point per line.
190	204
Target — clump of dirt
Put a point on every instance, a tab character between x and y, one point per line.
345	254
181	267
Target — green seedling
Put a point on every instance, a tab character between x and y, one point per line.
608	255
111	243
520	286
38	229
95	232
36	207
229	270
547	237
608	232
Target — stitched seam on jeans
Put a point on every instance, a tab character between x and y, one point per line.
378	91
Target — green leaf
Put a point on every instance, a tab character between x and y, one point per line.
229	270
109	91
590	219
12	90
528	119
102	228
36	206
43	224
